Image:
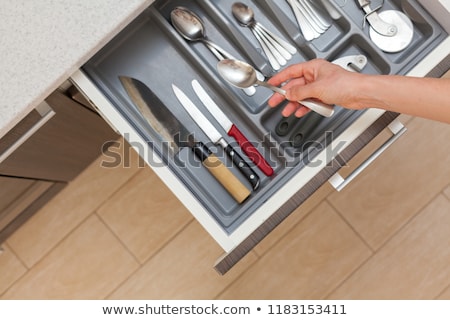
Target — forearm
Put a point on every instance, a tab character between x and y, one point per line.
422	97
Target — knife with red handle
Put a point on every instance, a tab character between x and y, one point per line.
232	130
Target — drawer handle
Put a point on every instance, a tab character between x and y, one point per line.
339	183
46	113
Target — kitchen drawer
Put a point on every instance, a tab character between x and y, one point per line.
150	50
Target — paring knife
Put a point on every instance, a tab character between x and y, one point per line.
214	135
175	133
232	130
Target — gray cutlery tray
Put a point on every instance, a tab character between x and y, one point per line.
149	49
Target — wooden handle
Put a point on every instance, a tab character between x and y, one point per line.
228	180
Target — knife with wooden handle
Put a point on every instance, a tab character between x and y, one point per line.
215	136
232	130
171	130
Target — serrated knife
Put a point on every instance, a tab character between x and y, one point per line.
232	130
172	131
215	136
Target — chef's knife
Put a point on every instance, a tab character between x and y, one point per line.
232	130
173	131
215	136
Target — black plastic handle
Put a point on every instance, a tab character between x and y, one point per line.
246	170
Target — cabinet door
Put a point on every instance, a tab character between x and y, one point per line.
62	147
20	198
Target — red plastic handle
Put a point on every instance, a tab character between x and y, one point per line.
250	151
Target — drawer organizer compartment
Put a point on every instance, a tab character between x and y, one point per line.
152	51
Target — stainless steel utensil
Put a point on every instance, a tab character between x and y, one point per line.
190	26
277	50
311	20
232	130
215	136
173	132
241	75
390	30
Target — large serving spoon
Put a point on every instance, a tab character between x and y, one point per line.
242	75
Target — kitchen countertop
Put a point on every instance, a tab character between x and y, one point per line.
43	42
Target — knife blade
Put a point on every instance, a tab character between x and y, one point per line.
175	133
215	136
232	130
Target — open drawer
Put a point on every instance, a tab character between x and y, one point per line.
150	49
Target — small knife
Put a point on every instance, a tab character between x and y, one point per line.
214	135
175	133
232	130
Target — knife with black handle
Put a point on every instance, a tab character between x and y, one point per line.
171	130
232	130
214	135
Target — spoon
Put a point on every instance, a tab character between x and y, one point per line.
242	75
190	27
274	47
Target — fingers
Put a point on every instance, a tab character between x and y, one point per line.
291	72
294	108
289	109
277	98
301	111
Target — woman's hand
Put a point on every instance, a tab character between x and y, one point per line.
318	79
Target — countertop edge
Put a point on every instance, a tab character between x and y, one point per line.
16	115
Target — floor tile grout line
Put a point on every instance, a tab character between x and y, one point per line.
368	246
73	228
16	255
442	292
291	228
351	274
357	233
445	189
408	221
141	265
117	237
260	256
48	252
20	277
244	272
101	204
385	244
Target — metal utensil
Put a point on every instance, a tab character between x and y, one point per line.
215	136
308	32
177	136
231	129
190	26
315	15
277	50
311	20
334	14
241	75
390	30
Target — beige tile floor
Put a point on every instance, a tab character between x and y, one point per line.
120	234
